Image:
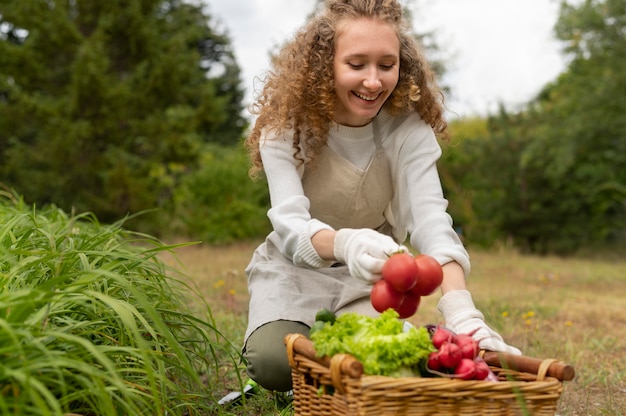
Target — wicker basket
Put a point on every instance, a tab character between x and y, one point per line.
337	386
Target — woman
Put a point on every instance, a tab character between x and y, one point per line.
346	136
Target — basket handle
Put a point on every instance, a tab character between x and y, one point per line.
299	344
336	362
549	367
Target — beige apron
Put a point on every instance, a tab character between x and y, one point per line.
342	196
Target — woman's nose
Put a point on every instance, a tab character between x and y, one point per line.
372	80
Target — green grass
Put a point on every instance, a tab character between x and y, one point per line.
572	309
92	322
95	319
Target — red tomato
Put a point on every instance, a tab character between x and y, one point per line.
400	271
384	296
409	305
429	275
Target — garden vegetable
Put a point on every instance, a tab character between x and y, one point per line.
468	345
449	355
441	335
482	369
466	369
409	306
400	271
433	361
429	275
317	325
456	356
383	296
405	280
325	315
322	317
381	344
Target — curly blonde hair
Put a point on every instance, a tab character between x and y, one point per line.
299	91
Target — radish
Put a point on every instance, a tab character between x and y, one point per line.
449	355
442	335
433	361
482	369
469	346
466	370
492	376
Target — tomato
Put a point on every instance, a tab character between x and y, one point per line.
383	296
400	271
429	275
409	305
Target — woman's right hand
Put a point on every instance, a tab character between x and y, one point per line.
364	251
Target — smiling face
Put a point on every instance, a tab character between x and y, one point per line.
366	69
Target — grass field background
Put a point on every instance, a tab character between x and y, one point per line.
572	309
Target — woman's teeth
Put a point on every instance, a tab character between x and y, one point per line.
365	97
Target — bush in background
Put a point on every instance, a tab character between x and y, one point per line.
219	203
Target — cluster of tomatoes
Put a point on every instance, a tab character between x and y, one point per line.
405	280
457	356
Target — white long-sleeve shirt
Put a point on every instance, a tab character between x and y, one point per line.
418	206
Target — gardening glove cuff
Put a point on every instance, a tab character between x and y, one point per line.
462	317
364	251
306	255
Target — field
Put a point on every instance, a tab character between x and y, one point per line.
572	309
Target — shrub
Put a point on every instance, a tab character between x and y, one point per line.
219	203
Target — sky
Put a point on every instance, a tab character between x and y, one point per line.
496	51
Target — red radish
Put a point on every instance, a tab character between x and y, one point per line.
383	296
449	355
482	369
433	361
466	370
409	306
469	346
442	335
492	376
400	271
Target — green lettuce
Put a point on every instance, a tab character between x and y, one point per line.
381	344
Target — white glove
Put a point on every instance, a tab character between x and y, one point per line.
364	251
462	317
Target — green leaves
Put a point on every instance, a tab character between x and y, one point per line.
380	344
91	322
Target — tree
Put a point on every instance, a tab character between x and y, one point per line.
104	105
551	178
579	126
